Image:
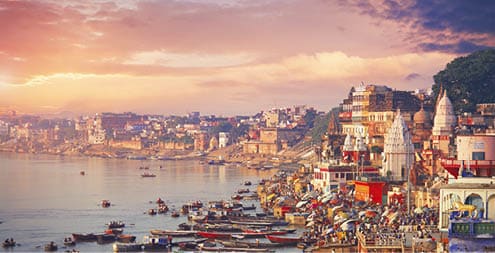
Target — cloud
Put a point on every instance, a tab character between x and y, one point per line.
453	26
191	60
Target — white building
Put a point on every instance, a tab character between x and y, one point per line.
223	139
398	151
443	124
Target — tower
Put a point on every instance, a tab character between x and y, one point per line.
398	150
443	124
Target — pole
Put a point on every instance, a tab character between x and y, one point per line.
409	190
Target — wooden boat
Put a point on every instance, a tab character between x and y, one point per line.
174	233
146	174
69	242
252	223
264	232
84	237
127	247
160	201
215	235
155	243
151	211
228	249
247	183
82	173
284	240
104	238
248	244
105	203
175	214
115	224
126	238
9	243
52	246
114	231
195	242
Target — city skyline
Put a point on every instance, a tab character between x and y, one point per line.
225	57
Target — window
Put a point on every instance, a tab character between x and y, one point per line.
478	155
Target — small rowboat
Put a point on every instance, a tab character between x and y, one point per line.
174	233
284	240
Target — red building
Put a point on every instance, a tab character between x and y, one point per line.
369	191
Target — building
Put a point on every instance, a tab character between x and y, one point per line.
443	125
223	139
327	177
398	153
421	130
475	155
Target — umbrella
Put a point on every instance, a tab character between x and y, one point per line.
301	203
328	231
337	208
418	210
370	213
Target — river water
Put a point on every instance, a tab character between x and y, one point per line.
44	198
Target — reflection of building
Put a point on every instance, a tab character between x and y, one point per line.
398	151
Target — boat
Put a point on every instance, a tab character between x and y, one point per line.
215	235
104	238
114	231
84	237
147	174
155	243
247	183
105	203
151	211
241	191
174	233
52	246
162	208
127	247
69	242
126	238
249	244
284	240
116	224
82	173
175	214
9	243
228	249
160	201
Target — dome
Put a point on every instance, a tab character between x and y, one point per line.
422	116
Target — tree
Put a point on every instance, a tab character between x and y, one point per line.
469	80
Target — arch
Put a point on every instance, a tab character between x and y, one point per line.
475	200
490	207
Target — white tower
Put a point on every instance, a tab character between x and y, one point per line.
398	150
443	123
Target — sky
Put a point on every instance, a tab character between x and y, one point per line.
225	57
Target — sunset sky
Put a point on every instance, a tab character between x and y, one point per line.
226	57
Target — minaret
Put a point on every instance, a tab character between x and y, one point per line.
443	124
398	150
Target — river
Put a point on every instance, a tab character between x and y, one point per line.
44	198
